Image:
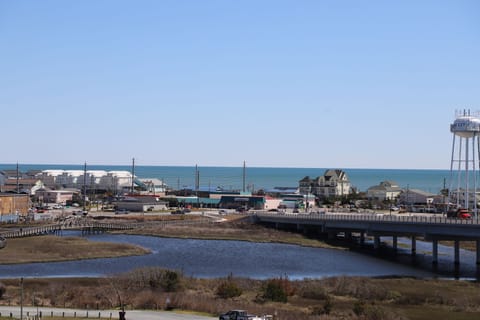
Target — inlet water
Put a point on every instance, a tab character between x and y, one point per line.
218	258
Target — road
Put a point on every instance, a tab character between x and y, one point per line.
94	314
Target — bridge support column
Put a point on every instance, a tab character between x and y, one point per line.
456	247
362	238
376	242
348	236
331	235
435	252
395	243
478	252
414	245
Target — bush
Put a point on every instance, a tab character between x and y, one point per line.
152	278
228	289
277	290
326	308
359	307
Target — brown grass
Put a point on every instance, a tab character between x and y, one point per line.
53	248
235	229
349	297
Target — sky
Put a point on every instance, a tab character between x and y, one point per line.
275	83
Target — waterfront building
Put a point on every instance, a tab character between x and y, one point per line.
155	186
333	183
100	180
417	197
386	190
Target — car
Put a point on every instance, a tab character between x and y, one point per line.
122	211
178	211
222	211
464	214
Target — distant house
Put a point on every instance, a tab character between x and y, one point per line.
155	186
54	196
28	186
415	196
141	204
333	183
386	190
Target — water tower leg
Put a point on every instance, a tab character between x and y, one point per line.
435	252
457	252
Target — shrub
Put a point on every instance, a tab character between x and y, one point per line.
273	290
228	289
359	307
326	308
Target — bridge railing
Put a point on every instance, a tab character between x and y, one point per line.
382	218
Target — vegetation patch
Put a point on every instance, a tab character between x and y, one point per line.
53	248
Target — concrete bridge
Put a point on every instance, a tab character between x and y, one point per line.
431	228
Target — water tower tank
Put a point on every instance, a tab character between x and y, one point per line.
466	126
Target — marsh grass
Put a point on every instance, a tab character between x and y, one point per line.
53	248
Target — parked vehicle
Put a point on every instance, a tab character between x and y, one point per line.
459	213
242	315
122	211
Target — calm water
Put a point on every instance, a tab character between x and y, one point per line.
264	178
212	258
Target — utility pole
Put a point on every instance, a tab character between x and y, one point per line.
21	298
244	173
133	174
85	187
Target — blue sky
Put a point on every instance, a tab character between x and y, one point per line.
346	84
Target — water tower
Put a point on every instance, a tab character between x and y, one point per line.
465	160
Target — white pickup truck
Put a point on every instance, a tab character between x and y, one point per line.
242	315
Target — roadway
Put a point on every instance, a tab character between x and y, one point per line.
94	314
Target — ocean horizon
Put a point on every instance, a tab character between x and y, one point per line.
267	178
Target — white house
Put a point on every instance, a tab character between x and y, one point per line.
333	183
386	190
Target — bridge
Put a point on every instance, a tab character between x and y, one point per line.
431	228
87	226
84	225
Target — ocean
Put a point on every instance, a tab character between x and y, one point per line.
256	178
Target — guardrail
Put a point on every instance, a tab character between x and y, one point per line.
386	218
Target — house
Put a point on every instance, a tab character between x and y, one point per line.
54	196
386	190
415	196
155	186
141	204
333	183
28	186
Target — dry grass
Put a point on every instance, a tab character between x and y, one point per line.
233	229
53	248
347	297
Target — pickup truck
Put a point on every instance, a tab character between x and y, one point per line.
242	315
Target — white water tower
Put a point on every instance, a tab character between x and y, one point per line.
465	160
